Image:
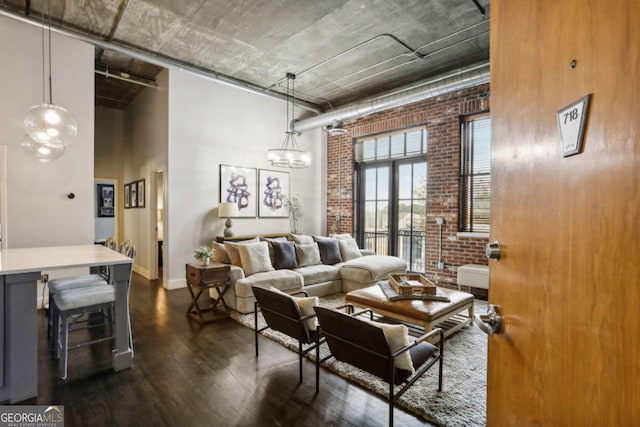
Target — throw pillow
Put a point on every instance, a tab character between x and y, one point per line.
220	253
349	249
255	258
343	236
397	337
305	304
329	251
232	250
308	254
284	255
272	239
301	239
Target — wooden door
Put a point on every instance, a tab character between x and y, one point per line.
568	283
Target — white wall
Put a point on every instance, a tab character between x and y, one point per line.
38	210
212	124
144	153
108	156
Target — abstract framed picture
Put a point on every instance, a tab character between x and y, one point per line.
127	196
238	185
273	188
140	193
106	202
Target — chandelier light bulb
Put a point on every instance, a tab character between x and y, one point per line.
43	153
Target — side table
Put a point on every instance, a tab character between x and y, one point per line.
201	278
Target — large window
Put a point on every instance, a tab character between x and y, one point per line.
392	195
475	174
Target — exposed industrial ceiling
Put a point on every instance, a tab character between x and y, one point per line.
341	50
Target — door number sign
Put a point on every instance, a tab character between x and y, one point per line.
572	120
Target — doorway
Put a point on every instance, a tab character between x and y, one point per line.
159	222
392	212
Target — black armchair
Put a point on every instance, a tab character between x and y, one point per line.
364	345
282	313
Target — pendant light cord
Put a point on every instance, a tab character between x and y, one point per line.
50	85
42	37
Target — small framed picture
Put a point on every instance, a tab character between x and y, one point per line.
106	202
273	188
141	193
127	196
134	194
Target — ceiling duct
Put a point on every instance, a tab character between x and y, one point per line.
468	77
336	128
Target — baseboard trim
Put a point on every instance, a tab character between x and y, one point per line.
175	284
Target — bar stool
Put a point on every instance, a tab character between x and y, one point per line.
70	304
74	282
75	302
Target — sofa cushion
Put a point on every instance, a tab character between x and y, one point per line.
318	273
343	236
232	250
272	239
329	250
307	254
285	280
220	253
371	268
255	258
349	249
284	255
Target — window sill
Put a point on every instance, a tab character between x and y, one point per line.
473	235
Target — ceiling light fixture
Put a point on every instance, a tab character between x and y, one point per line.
289	155
48	124
336	128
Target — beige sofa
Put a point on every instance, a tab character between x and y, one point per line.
318	279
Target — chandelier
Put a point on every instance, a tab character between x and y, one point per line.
289	155
49	127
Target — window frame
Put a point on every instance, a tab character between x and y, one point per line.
466	177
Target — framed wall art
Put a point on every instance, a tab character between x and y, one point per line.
273	188
140	193
134	194
238	185
127	196
106	202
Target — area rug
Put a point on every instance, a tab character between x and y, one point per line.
462	401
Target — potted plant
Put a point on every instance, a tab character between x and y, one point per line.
295	207
204	254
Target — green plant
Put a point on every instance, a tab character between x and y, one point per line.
203	252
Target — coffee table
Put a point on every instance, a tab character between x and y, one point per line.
447	315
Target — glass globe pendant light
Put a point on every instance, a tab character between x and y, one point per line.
48	123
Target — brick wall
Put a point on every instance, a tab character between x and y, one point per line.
441	115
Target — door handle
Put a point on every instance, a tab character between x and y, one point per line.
491	322
492	250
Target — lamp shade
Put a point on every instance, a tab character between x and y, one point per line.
227	210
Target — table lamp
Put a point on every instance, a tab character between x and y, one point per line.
227	210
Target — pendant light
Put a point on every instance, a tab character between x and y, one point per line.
289	155
48	124
41	152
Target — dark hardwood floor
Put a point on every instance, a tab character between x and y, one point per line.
187	375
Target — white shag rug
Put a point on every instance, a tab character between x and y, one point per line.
462	401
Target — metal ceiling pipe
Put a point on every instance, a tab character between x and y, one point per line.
468	77
160	61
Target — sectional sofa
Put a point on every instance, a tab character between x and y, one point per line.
318	265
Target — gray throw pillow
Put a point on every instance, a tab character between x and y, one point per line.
329	251
284	255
